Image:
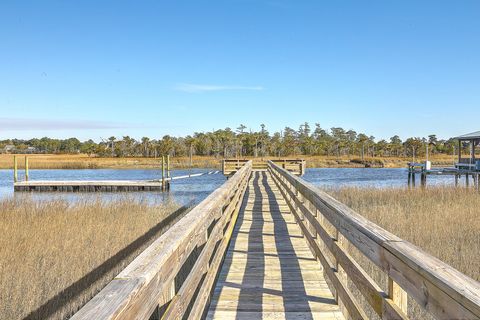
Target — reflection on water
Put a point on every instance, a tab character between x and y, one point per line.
193	190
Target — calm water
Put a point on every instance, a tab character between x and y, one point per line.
184	191
195	189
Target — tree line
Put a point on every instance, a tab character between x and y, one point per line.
239	142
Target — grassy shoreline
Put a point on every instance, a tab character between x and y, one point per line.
83	161
57	255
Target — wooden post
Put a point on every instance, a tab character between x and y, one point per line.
472	151
456	180
163	173
467	182
15	169
398	295
423	178
26	168
168	173
191	155
168	166
459	151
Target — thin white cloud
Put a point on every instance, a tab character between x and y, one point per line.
21	124
197	88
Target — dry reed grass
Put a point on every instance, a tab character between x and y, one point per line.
55	256
443	221
83	161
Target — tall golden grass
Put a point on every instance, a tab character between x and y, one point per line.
443	221
55	256
83	161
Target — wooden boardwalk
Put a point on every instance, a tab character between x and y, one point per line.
269	272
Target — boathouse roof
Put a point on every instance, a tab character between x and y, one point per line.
469	136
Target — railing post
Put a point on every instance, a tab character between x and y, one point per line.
26	168
398	295
164	301
15	169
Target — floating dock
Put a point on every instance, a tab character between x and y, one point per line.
88	186
101	185
162	184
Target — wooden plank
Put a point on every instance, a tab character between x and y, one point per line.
269	270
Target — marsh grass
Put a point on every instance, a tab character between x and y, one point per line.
443	221
56	255
83	161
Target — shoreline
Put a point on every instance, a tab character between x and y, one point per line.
82	161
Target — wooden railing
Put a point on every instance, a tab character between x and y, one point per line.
295	166
230	166
441	290
173	278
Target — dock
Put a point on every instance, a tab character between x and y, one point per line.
87	186
161	184
269	245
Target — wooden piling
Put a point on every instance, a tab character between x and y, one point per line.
26	168
167	186
15	169
163	173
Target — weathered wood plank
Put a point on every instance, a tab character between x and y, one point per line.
269	271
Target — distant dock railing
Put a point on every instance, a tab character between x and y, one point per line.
440	289
295	166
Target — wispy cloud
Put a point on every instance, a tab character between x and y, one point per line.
196	88
17	124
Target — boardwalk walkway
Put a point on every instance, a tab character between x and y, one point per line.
269	271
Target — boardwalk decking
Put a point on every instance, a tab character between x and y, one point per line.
269	271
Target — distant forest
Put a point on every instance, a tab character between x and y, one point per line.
240	142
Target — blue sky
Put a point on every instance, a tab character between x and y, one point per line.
94	69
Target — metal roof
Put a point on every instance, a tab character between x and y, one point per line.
469	136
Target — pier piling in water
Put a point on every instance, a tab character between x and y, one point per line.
26	168
15	169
